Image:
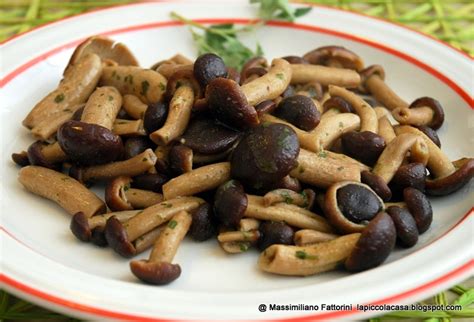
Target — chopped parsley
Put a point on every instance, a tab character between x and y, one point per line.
172	224
301	254
59	98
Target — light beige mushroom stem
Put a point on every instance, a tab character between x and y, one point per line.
147	240
238	236
438	162
392	156
329	113
416	116
178	117
132	167
158	214
306	237
309	260
168	241
53	153
287	196
332	128
167	69
368	117
396	204
47	128
73	90
385	126
420	152
320	170
102	107
303	73
134	107
293	215
270	85
198	180
99	221
248	224
383	93
148	85
140	199
67	192
128	127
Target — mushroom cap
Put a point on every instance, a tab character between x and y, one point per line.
252	63
183	75
295	60
21	158
89	144
367	72
453	182
98	237
420	207
354	214
265	107
300	111
345	57
115	197
364	146
106	49
36	157
150	181
377	184
338	103
136	145
254	71
273	232
374	245
208	67
409	175
117	238
287	182
203	226
229	105
155	117
431	134
265	155
438	112
230	203
407	232
208	137
180	159
158	273
80	227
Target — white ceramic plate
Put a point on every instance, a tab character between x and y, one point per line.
44	263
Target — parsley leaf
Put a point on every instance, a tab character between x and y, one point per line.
279	9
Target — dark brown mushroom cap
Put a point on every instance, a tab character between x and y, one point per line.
265	155
150	181
252	63
420	207
254	71
350	209
438	112
155	117
229	105
233	74
89	144
374	245
300	111
265	107
208	67
295	60
136	145
115	194
453	182
203	226
364	146
117	238
230	203
338	103
273	232
409	175
377	184
21	158
345	57
77	116
98	237
432	134
80	227
367	72
407	232
287	182
205	136
180	159
183	75
36	157
160	273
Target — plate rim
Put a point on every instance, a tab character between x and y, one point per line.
465	266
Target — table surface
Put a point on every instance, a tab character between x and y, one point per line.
448	20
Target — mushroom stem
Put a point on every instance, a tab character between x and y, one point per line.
438	162
329	113
419	152
67	192
248	224
385	126
393	155
99	221
293	215
132	167
413	116
140	199
147	240
286	196
383	93
201	179
331	129
270	85
178	116
134	107
322	170
48	126
167	244
102	107
238	236
303	73
368	117
306	237
128	128
309	260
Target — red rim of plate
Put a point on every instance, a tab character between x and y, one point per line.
22	288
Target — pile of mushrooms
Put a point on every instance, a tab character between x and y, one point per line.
299	158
